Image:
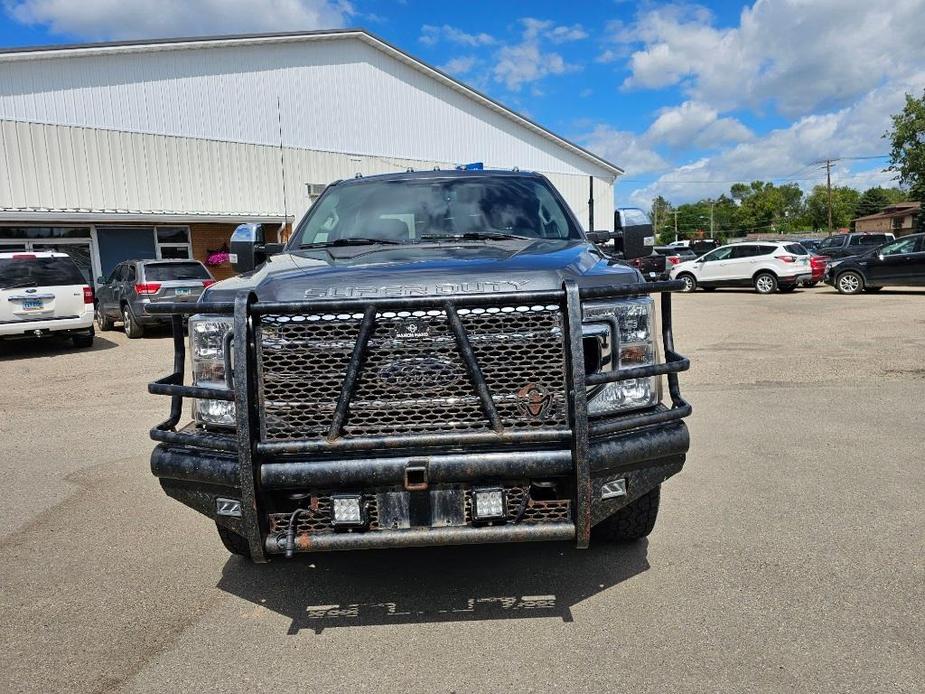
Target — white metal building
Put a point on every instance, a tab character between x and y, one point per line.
158	148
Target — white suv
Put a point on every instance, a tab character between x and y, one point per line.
768	266
42	294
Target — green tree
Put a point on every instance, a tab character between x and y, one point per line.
662	219
875	199
844	203
907	141
766	207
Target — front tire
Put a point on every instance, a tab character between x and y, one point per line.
632	522
690	282
133	329
102	321
234	543
849	282
765	283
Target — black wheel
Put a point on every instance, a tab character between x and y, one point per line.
632	522
102	322
872	289
133	329
233	542
82	341
849	282
690	282
765	283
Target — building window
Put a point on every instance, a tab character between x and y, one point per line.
173	242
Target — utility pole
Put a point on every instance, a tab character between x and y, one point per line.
675	225
711	218
828	187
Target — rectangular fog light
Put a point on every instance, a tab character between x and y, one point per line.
488	504
348	509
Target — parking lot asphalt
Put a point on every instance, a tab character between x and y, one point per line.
788	555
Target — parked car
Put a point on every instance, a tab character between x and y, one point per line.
134	284
899	263
809	244
43	294
768	266
701	246
675	254
653	267
407	378
844	245
818	264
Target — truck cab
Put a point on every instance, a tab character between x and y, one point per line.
432	358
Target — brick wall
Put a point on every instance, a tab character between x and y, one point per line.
210	237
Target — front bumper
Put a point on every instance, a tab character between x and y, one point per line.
642	459
425	477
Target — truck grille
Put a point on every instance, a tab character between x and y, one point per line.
413	378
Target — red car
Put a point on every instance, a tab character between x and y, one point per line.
818	264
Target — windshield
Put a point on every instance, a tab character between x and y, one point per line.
29	271
833	242
408	211
164	272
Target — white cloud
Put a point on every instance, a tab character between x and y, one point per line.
460	65
695	124
432	35
128	19
625	149
526	61
789	153
795	54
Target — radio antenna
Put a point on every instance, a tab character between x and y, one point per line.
282	164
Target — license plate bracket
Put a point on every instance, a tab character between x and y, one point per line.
33	304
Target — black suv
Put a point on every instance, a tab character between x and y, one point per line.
899	263
433	358
844	245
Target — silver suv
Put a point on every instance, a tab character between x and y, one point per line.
132	285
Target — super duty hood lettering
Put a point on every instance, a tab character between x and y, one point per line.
481	287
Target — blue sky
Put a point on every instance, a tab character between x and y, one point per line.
687	98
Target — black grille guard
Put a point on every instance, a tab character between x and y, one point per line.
250	449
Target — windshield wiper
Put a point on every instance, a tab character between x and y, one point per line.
357	241
498	235
20	285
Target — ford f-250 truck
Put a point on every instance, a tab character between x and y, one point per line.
432	358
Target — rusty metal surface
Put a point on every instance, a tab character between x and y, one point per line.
428	537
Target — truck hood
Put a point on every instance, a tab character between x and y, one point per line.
469	266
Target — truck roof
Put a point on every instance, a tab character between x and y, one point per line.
440	174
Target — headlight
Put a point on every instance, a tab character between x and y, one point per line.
207	357
634	322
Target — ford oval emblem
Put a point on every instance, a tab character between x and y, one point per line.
425	374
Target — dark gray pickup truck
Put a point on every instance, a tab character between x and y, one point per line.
432	358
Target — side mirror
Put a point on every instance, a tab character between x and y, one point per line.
638	241
248	248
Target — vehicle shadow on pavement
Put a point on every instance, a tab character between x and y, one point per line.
445	584
48	347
